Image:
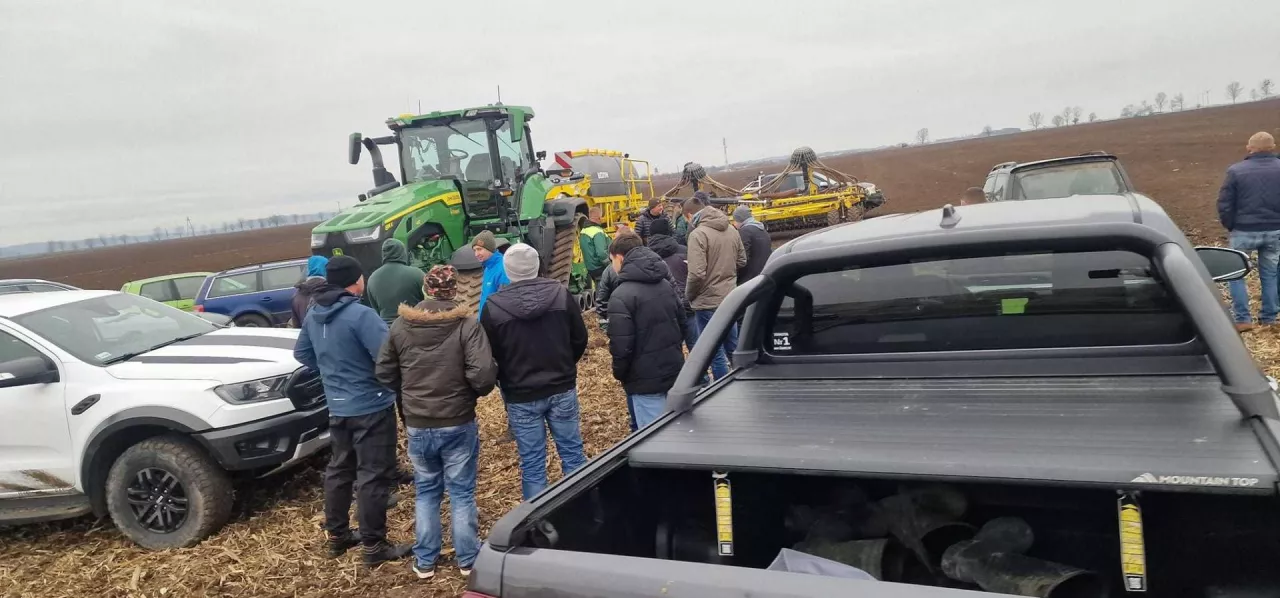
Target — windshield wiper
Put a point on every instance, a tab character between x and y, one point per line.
464	136
131	355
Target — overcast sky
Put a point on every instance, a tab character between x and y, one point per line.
120	116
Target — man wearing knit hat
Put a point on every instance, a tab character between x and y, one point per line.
535	328
341	338
495	276
439	356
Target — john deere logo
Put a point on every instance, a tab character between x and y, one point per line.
337	251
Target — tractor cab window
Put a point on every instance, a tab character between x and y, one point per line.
510	153
459	149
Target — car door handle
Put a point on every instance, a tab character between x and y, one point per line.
265	299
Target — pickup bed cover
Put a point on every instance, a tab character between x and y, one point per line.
1118	431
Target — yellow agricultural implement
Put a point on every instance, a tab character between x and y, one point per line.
610	180
807	194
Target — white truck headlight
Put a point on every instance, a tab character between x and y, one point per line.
364	235
253	391
317	240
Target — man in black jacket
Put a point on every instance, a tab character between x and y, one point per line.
537	335
755	240
647	325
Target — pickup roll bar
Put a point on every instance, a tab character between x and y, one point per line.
1247	388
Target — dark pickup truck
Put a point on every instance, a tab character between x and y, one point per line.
1029	398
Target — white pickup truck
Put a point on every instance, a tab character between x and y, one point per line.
115	404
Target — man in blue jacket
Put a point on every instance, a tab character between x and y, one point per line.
1249	208
341	339
495	277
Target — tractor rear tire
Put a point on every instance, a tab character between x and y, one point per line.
562	253
468	294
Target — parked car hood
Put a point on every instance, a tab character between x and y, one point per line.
227	355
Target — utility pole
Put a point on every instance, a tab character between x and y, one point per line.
724	143
191	230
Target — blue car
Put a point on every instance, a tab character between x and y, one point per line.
255	296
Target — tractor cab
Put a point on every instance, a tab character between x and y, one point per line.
484	151
460	172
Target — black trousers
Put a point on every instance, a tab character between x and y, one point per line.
364	451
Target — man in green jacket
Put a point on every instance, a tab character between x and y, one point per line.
395	283
595	245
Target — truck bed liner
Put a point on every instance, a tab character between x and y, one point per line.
1165	432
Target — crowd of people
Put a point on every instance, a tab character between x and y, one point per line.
399	346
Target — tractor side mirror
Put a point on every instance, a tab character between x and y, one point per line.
1224	264
540	155
353	148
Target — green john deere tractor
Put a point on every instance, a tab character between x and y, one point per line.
461	172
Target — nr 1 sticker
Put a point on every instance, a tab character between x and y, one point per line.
781	341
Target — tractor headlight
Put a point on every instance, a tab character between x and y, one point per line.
364	235
253	391
317	240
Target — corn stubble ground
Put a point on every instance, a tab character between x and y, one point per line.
275	550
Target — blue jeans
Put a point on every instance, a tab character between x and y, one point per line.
720	363
631	414
648	407
1267	244
529	422
691	339
453	452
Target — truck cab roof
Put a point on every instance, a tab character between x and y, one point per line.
996	216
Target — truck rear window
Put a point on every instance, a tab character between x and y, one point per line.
1111	298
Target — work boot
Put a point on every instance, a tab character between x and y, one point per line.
1244	326
383	551
338	545
404	477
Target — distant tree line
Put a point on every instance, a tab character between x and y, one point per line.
161	233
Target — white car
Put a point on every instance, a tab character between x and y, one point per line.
115	404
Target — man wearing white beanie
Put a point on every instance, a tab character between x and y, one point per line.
537	335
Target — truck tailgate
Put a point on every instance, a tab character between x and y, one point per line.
531	572
1137	431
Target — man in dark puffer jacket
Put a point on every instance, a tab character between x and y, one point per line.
647	325
675	256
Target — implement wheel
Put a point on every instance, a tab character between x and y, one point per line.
469	281
836	216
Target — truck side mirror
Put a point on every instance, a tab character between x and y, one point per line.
1224	264
25	371
540	155
353	148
